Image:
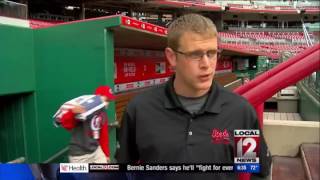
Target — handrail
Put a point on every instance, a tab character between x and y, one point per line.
283	75
18	160
114	124
306	34
268	74
287	76
233	84
58	154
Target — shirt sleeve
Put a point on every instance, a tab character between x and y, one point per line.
127	153
68	120
104	137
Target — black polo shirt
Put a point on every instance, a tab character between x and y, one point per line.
157	129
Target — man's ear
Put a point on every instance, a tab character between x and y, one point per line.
171	57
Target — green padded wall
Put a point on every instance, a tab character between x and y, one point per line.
18	132
41	69
70	60
16	60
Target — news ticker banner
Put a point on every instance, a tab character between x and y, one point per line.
175	168
247	144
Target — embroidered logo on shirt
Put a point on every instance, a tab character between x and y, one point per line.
220	137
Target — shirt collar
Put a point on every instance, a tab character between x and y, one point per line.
172	101
213	103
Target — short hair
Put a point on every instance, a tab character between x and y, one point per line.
189	23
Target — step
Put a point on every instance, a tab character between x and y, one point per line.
287	168
310	157
282	116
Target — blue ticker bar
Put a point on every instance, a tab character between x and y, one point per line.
247	167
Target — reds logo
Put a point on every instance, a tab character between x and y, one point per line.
220	137
96	123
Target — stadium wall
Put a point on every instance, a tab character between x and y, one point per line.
309	104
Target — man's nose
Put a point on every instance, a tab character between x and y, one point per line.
204	61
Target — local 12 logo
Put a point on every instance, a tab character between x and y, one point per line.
247	143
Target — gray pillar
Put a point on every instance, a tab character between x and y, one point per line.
83	11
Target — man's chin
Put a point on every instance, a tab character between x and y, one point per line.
204	86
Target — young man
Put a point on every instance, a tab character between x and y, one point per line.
89	137
191	118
